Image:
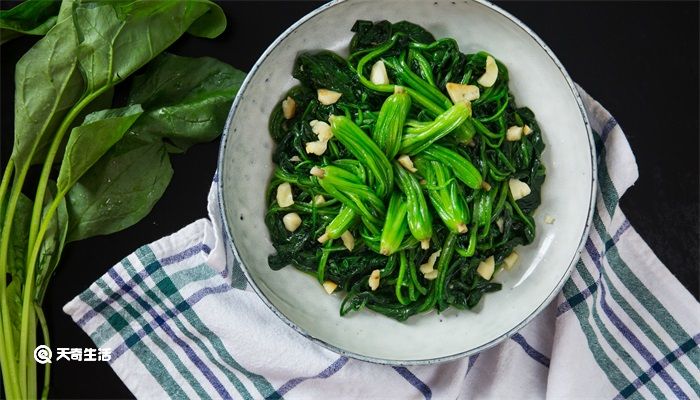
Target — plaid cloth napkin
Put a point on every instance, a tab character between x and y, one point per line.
182	324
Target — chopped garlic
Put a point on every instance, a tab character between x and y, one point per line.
518	189
289	107
460	93
324	133
430	264
322	130
489	77
330	286
374	280
318	147
548	219
319	199
499	224
425	244
486	268
348	240
284	195
295	159
431	275
527	130
510	260
318	172
407	163
291	221
378	76
514	133
327	97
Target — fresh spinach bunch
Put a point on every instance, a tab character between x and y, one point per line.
102	169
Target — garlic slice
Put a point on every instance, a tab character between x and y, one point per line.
374	280
378	76
518	189
289	107
486	268
459	92
431	275
327	97
284	195
330	286
514	133
510	260
318	147
489	77
430	264
322	130
348	240
291	221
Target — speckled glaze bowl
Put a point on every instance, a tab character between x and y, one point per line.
537	80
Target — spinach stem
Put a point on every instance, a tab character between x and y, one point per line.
31	368
38	226
12	386
399	281
46	339
6	178
5	358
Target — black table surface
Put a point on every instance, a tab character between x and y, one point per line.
639	59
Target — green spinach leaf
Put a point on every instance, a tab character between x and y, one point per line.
186	99
17	258
47	85
117	38
31	17
120	189
90	141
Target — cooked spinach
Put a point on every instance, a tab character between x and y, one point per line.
417	212
102	169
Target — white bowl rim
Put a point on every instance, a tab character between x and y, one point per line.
478	349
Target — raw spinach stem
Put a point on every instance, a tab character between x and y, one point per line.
48	163
28	291
7	176
45	336
38	227
31	368
12	387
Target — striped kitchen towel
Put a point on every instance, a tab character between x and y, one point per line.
182	324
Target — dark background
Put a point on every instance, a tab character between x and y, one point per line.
639	59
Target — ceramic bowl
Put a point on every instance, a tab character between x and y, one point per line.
537	80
